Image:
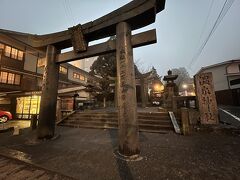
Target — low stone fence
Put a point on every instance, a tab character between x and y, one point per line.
183	101
189	118
186	109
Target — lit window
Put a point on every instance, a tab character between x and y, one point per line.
41	62
14	53
11	78
82	78
75	76
78	76
1	46
3	78
20	55
17	79
63	70
8	51
26	106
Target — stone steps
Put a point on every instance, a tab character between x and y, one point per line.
163	122
148	122
109	122
100	126
152	114
114	119
106	126
94	116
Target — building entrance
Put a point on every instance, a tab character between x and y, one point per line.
27	106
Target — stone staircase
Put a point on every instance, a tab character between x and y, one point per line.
157	122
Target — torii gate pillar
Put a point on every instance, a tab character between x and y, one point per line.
47	115
127	104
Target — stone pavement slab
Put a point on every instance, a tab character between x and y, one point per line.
15	169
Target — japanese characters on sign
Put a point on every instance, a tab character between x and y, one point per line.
206	98
78	41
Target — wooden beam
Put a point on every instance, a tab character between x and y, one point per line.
141	39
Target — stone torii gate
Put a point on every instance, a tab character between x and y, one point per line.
121	22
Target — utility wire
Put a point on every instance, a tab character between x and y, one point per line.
209	35
203	30
70	10
223	12
67	12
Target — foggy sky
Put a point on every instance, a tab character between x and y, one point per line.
181	28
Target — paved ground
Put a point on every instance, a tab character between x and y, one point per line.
21	124
89	154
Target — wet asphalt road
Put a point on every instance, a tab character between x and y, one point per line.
230	115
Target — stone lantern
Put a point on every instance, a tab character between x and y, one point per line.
170	89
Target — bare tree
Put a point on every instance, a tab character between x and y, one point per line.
183	76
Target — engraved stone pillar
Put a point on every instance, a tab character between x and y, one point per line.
206	98
144	92
47	115
116	94
127	103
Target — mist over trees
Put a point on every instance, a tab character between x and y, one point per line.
183	76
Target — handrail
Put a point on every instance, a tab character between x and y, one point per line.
58	122
174	122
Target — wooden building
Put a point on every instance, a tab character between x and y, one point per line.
21	71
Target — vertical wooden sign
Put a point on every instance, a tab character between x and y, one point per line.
78	40
206	98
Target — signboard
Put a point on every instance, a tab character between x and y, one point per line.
206	98
78	41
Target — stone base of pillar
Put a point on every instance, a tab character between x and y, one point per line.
126	151
135	157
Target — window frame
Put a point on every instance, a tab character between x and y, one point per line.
79	76
63	70
5	79
9	81
21	57
5	51
13	53
82	78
